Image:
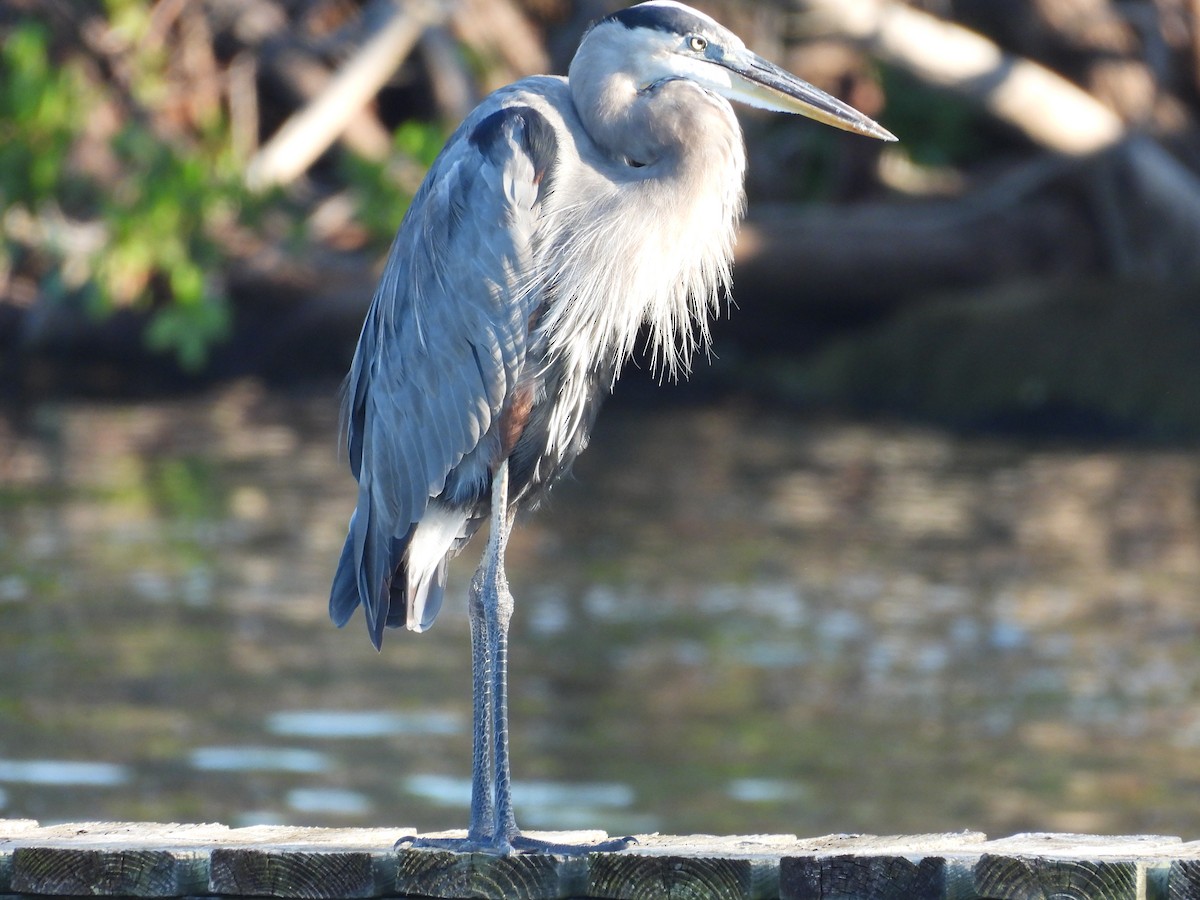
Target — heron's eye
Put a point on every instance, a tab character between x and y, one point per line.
697	43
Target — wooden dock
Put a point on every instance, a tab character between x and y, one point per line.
153	860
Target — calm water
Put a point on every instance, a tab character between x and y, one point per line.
729	622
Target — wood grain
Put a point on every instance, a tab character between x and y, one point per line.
614	876
1184	879
68	871
849	877
742	867
1034	878
307	875
480	876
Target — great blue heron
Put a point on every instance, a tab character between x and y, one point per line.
562	216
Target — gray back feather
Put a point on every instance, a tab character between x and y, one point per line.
442	345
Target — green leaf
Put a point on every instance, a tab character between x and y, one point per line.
189	331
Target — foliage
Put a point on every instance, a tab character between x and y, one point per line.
154	215
164	218
159	220
39	105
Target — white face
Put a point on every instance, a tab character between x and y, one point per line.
665	39
696	55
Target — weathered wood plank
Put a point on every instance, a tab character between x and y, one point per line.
700	866
637	877
303	863
153	860
850	867
1129	867
481	876
306	875
909	845
1184	879
141	859
10	830
852	877
1085	846
1029	878
83	871
128	859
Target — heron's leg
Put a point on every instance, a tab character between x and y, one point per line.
493	826
507	836
481	831
482	822
506	825
496	607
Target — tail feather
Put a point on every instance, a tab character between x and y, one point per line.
427	594
364	575
436	536
409	572
343	596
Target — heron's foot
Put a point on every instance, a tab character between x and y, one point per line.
523	844
455	844
516	844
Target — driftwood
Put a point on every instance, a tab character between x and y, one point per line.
311	130
1109	201
297	69
1110	49
1052	111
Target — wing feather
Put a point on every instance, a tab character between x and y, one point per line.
441	349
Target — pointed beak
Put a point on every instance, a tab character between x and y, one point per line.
759	82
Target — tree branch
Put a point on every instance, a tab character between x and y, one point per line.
311	130
1048	108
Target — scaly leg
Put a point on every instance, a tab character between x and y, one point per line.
482	833
498	607
481	828
498	602
492	822
493	826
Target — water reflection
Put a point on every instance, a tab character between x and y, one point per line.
328	802
728	622
323	723
456	791
62	773
764	790
250	758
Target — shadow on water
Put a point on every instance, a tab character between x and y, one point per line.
728	622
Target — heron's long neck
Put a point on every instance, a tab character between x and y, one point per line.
616	117
672	124
664	227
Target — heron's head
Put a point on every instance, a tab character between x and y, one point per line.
664	39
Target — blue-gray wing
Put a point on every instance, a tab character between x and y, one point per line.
442	347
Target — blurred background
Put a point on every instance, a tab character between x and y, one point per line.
918	549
